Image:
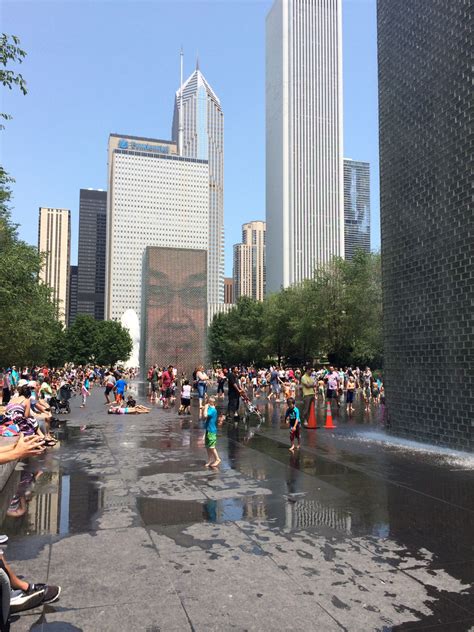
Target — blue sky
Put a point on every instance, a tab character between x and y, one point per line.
113	66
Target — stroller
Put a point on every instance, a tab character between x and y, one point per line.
251	408
60	404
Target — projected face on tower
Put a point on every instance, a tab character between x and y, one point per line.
175	304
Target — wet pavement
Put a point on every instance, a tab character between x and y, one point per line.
356	531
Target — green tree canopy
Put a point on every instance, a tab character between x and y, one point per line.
98	341
336	316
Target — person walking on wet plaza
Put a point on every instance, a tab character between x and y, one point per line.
85	390
308	384
292	417
110	382
210	436
201	383
333	385
234	392
166	383
120	387
350	393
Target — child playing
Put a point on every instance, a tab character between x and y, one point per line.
292	417
210	438
184	409
85	390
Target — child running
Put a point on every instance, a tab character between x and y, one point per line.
210	438
292	417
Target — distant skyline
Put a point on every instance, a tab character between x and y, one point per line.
97	68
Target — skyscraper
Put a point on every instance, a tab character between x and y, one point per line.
72	312
356	207
249	262
203	138
91	252
426	176
54	239
304	139
155	198
228	290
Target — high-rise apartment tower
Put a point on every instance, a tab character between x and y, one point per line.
426	177
356	207
54	239
249	262
202	134
304	139
91	252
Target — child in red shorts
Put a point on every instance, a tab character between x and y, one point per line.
292	417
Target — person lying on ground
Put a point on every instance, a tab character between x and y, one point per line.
128	410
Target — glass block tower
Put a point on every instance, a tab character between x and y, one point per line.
356	207
203	138
426	173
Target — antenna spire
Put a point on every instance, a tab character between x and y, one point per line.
197	61
180	129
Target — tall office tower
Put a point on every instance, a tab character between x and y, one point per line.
304	162
156	198
228	290
249	262
426	177
202	126
91	252
72	312
54	239
356	207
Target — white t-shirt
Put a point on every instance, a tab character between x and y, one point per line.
186	391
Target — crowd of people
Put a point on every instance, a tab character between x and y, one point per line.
30	397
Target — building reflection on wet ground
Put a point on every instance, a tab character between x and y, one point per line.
380	506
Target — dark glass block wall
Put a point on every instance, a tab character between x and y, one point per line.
426	170
174	308
92	253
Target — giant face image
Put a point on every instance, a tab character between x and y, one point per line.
175	306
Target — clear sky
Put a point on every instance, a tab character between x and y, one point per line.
113	66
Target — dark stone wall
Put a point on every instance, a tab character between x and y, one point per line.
426	171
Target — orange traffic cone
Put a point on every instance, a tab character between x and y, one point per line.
329	423
312	417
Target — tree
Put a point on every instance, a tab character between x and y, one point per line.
335	316
81	338
236	337
113	342
27	313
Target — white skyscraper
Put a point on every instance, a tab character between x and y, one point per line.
155	198
203	137
54	239
304	139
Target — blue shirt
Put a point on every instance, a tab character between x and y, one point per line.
293	415
211	420
121	384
